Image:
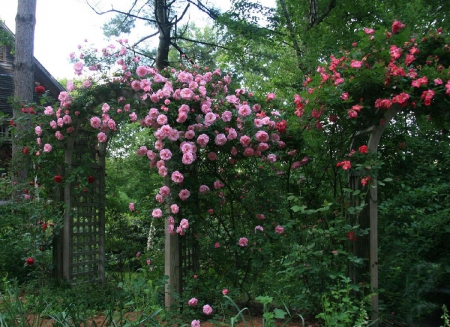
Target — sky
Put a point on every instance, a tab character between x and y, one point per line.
61	25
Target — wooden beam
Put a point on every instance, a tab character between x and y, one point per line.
374	141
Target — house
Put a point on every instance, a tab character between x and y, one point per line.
41	76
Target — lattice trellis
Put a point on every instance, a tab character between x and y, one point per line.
81	250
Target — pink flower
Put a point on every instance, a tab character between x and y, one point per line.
38	130
279	230
369	31
193	302
397	26
164	190
203	140
157	213
226	116
207	310
203	189
244	110
177	177
165	154
217	245
243	241
186	94
195	323
174	208
218	184
270	96
272	158
344	164
260	228
131	206
224	291
102	137
141	71
188	158
59	135
133	117
95	122
184	223
184	194
48	111
78	67
47	147
355	64
221	139
245	140
262	136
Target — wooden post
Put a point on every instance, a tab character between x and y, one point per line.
171	266
374	140
171	261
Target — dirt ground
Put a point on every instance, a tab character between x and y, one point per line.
99	320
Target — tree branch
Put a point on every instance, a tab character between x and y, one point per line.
199	42
129	14
319	19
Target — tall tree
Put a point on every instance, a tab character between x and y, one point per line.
23	77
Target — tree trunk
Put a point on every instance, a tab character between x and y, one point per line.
23	80
164	28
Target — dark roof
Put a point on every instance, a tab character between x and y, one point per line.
41	76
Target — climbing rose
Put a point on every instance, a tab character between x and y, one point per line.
207	310
47	148
102	137
131	206
397	26
29	261
184	194
195	323
270	96
193	302
344	164
224	291
39	89
57	179
363	149
91	179
279	230
157	213
174	208
351	236
243	241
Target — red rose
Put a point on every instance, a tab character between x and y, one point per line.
44	226
351	236
57	179
91	179
25	150
39	89
29	261
363	149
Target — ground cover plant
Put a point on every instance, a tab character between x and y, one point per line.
260	189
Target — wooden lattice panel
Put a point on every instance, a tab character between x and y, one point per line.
83	257
86	259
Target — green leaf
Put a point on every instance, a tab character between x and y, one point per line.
279	314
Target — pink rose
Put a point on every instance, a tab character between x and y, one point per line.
157	213
193	302
184	194
102	137
243	241
279	230
207	310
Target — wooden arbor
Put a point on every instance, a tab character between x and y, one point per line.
79	251
369	217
